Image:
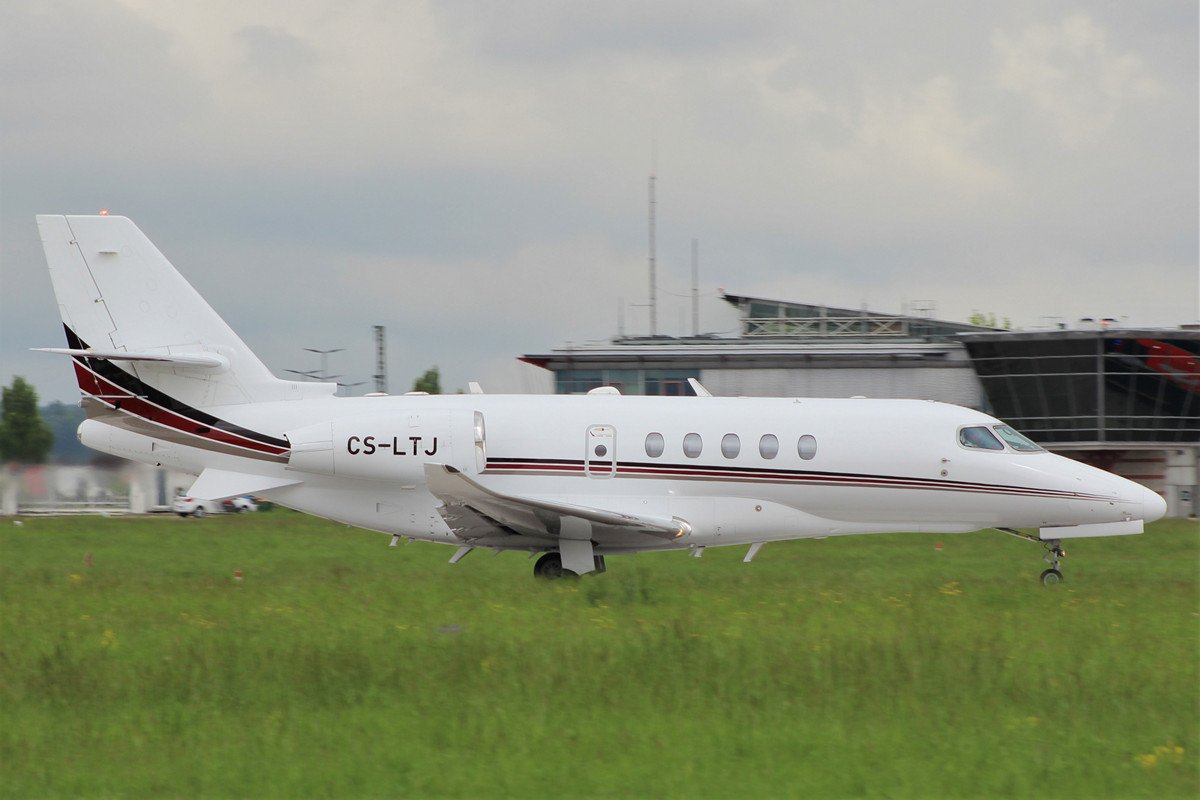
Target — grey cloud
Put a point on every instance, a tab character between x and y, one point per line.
274	53
553	31
90	75
1071	74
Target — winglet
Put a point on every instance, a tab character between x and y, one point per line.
698	388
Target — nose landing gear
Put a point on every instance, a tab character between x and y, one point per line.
1054	554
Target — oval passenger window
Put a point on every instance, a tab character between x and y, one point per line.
654	444
692	445
807	447
731	445
768	446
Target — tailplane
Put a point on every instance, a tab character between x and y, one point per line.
126	308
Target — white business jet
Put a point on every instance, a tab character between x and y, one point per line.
574	478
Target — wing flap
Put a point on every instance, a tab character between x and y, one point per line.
466	503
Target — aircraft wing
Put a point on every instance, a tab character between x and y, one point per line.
474	512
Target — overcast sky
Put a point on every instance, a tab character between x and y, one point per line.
473	174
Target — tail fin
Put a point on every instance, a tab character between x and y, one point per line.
118	294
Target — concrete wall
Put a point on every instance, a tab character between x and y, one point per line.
1181	482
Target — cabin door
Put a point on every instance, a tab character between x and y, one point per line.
600	457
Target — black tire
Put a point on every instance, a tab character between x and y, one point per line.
1051	577
199	512
550	567
182	514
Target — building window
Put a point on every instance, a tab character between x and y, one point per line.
654	445
807	447
731	445
578	381
768	446
668	382
692	445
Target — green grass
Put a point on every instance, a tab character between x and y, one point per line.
862	666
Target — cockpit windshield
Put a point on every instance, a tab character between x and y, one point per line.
1015	440
979	438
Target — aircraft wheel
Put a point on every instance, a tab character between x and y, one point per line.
1051	577
199	512
550	567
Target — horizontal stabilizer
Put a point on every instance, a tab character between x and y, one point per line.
208	360
221	484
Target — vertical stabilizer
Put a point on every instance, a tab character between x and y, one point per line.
117	292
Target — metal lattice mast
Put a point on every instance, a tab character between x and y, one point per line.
695	287
380	375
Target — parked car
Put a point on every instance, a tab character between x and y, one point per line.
239	504
194	507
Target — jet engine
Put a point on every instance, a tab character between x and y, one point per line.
390	447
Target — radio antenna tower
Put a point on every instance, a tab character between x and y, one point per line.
380	375
695	287
653	289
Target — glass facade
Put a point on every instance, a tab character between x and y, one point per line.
669	382
1107	387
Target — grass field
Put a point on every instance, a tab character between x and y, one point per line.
337	667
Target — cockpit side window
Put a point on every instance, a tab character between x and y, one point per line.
977	437
1015	440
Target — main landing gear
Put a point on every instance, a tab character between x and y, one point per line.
550	566
1054	554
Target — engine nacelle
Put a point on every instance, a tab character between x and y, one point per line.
390	447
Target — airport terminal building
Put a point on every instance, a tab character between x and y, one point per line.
1124	400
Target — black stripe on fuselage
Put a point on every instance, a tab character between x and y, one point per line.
132	384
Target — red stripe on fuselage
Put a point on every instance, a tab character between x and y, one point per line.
113	395
781	476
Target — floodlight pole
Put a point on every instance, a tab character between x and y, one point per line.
324	354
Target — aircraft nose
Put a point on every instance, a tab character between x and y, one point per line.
1153	505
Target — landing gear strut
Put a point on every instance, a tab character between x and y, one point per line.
1054	553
